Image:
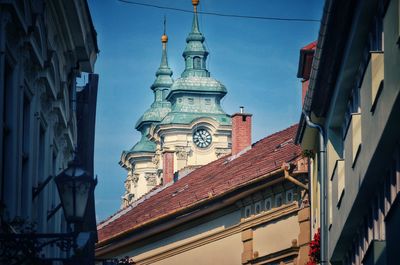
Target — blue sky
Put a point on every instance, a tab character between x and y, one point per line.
255	59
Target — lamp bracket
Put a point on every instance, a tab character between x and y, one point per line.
37	190
22	247
53	211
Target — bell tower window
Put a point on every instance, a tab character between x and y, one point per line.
197	62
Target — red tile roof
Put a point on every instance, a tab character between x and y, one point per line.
215	178
310	46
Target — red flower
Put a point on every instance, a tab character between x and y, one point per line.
315	249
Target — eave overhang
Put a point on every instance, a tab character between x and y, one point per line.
326	61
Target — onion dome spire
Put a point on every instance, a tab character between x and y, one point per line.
163	75
196	83
195	53
160	107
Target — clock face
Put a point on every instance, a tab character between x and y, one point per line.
202	138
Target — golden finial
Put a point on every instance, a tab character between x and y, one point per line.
195	3
164	37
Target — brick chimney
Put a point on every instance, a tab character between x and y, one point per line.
168	167
241	131
304	69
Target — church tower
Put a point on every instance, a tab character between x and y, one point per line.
184	128
197	130
139	161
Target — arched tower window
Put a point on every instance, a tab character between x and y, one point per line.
197	62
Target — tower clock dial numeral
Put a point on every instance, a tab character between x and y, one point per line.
202	138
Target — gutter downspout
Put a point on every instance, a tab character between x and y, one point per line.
322	160
290	178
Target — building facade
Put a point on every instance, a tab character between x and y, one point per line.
184	128
354	94
249	207
44	47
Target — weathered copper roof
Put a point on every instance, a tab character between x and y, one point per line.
199	84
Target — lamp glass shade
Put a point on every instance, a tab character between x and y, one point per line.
82	191
74	186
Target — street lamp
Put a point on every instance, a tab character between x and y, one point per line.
74	186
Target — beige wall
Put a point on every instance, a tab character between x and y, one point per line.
225	251
178	245
276	235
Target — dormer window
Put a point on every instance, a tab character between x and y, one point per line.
197	62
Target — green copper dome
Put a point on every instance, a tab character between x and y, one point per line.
195	94
189	117
154	114
160	107
196	77
198	84
163	75
144	145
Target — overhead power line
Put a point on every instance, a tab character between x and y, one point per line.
220	14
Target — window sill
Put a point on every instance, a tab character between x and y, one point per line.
349	124
340	199
377	96
356	156
335	168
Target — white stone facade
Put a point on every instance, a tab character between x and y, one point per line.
44	46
